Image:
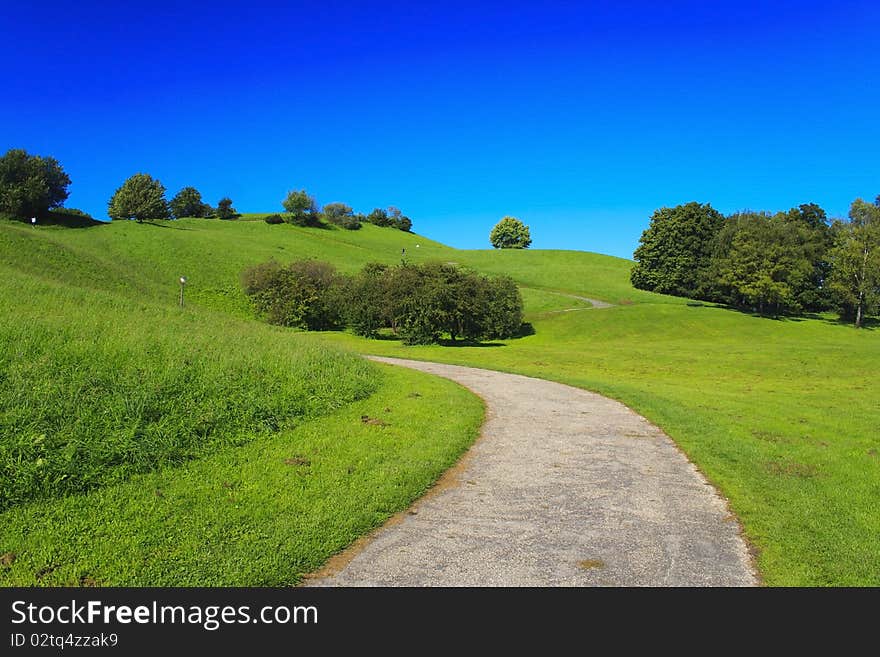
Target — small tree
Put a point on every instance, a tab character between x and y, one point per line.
141	197
188	203
855	258
301	294
225	209
510	233
399	220
302	208
340	214
379	217
30	185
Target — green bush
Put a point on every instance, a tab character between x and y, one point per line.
225	209
274	219
301	294
420	303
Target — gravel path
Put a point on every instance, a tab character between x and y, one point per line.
564	488
596	303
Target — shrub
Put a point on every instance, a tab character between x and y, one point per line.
364	300
420	303
225	209
379	217
274	219
300	294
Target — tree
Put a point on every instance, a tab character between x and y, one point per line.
855	262
675	250
188	203
225	209
141	197
340	214
30	185
811	236
761	263
379	217
398	219
302	208
510	233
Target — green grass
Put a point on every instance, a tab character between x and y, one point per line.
262	514
782	416
109	391
95	391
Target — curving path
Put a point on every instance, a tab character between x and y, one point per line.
596	303
564	488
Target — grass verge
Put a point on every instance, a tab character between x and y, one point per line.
263	514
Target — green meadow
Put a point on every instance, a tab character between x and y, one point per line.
159	445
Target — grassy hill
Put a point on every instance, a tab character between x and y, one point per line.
146	444
781	415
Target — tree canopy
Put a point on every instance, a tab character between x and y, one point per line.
340	214
30	185
301	208
188	203
141	197
855	260
510	233
674	252
225	209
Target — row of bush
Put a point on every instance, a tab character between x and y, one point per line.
782	263
302	210
420	303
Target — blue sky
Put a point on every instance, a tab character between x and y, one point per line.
580	118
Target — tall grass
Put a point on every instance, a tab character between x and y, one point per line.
96	387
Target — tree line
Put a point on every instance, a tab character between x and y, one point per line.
783	263
301	209
420	303
35	186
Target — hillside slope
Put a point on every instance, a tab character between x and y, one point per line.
781	415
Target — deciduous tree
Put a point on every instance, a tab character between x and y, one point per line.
510	233
188	203
855	260
675	251
30	185
141	197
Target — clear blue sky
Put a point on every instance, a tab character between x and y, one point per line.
580	118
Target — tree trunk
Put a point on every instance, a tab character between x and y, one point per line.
859	313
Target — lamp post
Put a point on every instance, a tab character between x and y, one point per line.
182	284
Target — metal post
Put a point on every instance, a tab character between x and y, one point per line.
182	284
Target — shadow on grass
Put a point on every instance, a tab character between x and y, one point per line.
58	217
165	224
469	344
868	323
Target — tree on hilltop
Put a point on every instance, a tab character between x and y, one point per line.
30	185
141	197
510	233
188	203
301	208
